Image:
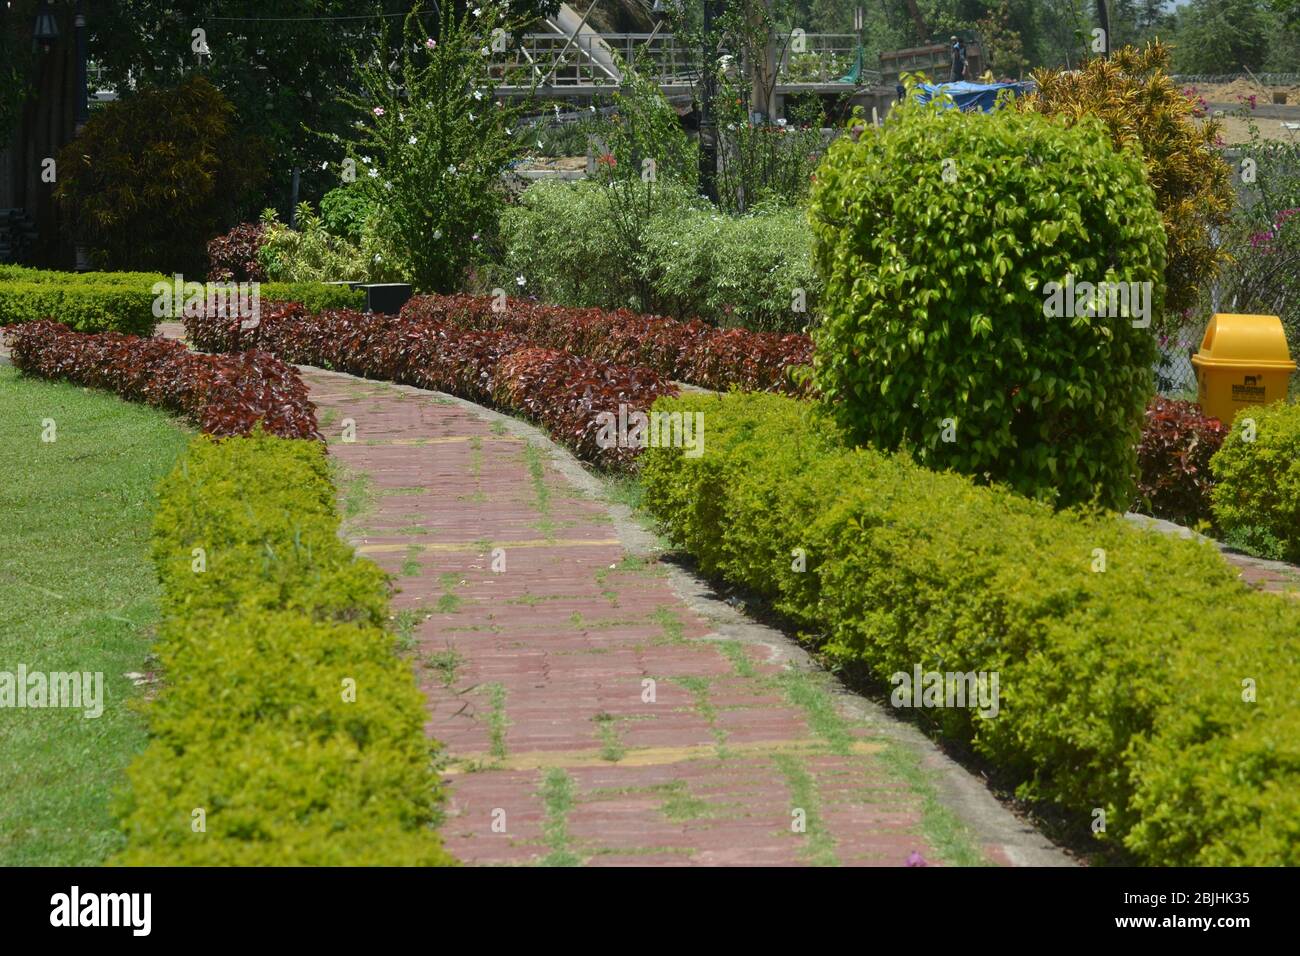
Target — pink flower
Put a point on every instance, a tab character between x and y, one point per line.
915	859
378	111
430	43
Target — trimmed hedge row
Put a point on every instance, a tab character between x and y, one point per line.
563	393
285	716
124	301
1121	689
222	394
692	352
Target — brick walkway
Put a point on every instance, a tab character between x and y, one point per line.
589	715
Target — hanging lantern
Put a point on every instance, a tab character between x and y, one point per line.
46	30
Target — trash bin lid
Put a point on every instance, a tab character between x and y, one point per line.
1244	341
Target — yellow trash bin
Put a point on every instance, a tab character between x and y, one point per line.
1243	361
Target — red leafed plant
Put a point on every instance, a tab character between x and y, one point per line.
233	257
222	394
562	392
1174	453
693	351
570	396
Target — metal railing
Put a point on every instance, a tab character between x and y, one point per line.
597	60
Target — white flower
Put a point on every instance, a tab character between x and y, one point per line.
378	257
477	11
483	52
325	164
592	108
519	280
471	117
413	140
374	174
478	94
451	170
780	122
365	160
388	185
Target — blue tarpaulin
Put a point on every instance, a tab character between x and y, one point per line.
969	96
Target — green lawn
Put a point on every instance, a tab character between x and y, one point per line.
77	593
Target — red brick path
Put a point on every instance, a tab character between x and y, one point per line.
538	675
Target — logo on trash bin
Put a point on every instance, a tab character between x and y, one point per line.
1250	390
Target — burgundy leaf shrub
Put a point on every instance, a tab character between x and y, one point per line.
1174	453
562	392
222	394
233	257
692	351
571	395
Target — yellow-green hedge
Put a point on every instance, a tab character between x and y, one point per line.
1120	689
270	626
1256	493
123	301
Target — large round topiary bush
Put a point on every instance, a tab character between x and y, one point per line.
939	236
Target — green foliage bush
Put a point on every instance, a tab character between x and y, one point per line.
252	725
1256	495
735	270
123	301
156	174
934	334
82	306
564	240
310	253
682	259
1119	689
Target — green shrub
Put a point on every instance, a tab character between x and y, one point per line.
735	270
1256	495
267	618
677	257
82	306
310	253
565	240
1119	688
937	237
123	301
315	296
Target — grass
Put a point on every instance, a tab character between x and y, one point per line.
447	663
557	797
611	744
77	592
819	845
498	723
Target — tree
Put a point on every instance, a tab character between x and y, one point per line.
278	62
1222	36
151	178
